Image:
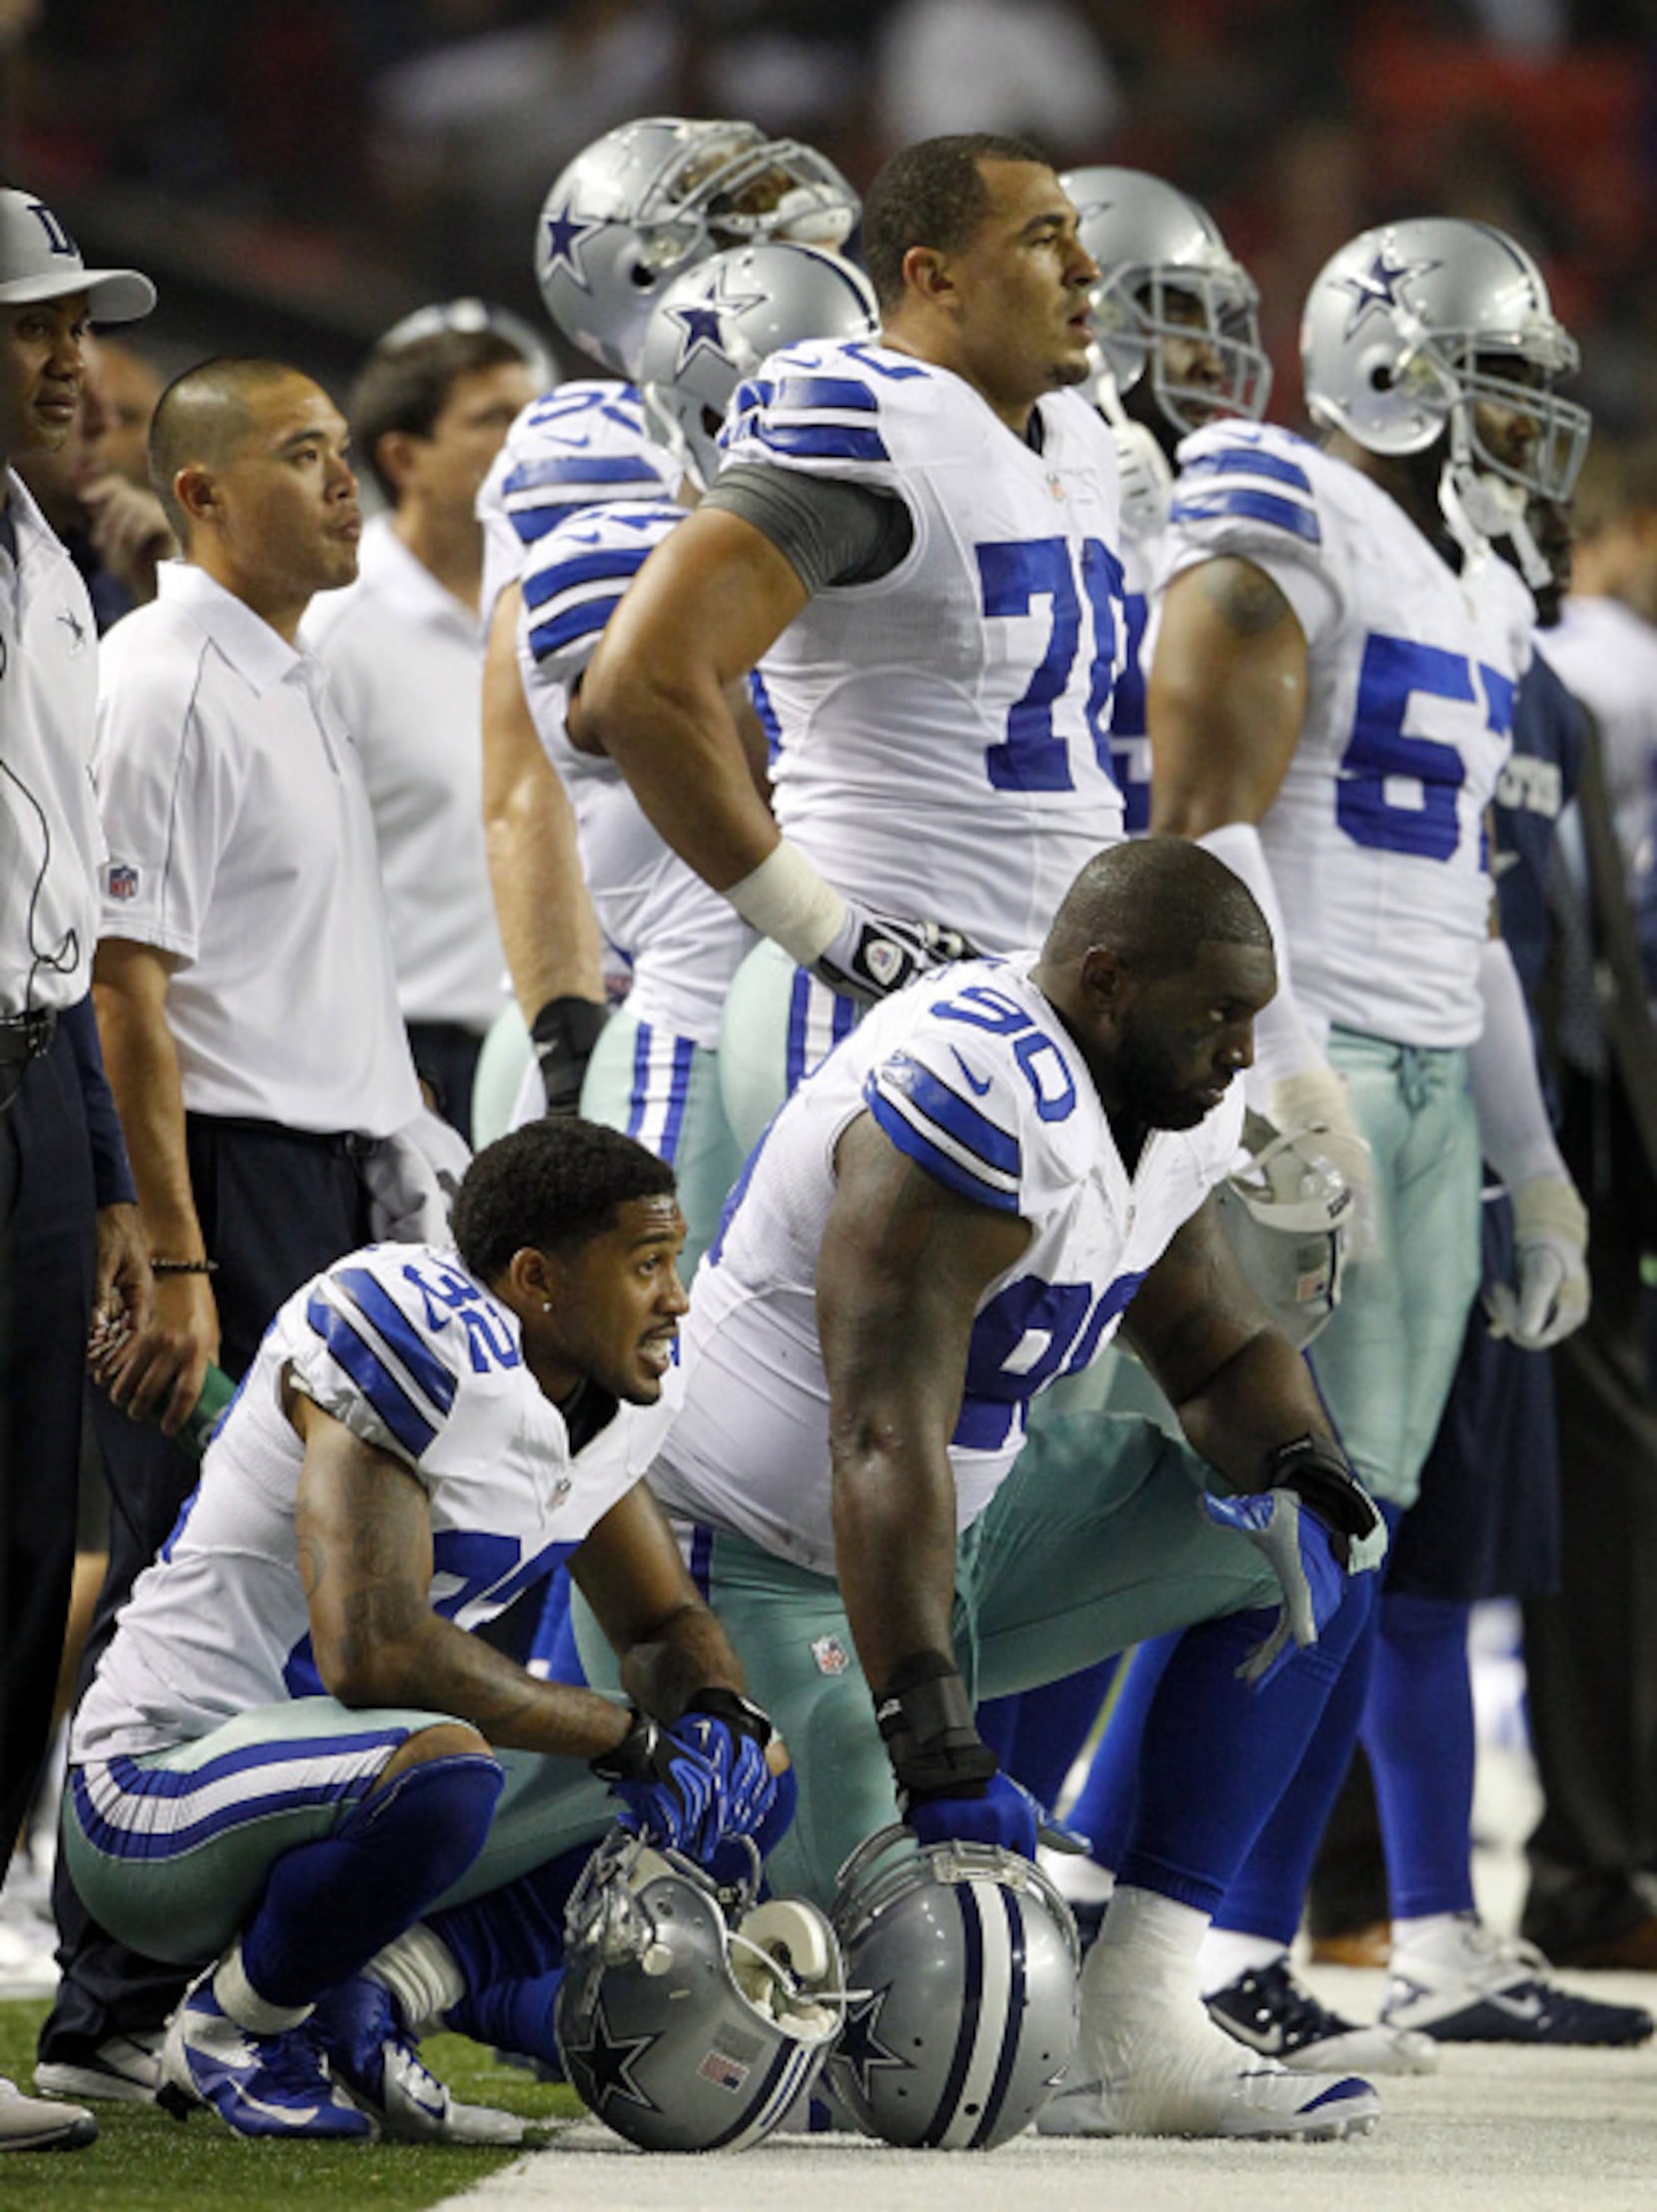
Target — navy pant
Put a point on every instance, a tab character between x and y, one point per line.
47	1244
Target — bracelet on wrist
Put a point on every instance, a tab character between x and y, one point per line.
159	1266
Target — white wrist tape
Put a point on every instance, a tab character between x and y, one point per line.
1501	1073
787	900
1286	1043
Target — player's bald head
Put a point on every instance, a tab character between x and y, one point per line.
203	420
1155	902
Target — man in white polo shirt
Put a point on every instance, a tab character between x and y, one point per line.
404	656
69	1232
244	985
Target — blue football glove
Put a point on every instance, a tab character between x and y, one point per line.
1307	1558
670	1789
732	1734
999	1811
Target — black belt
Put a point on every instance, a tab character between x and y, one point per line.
26	1036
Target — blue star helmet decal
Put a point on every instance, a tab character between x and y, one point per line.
1375	290
859	2043
702	331
610	2060
564	236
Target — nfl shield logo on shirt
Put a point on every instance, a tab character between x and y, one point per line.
120	881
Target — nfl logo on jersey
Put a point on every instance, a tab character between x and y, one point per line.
121	881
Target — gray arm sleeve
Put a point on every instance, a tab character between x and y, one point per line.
830	533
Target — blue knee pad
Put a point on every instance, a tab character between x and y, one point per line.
329	1905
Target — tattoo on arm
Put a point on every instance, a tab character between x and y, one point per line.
1251	603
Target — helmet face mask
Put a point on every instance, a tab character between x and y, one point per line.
715	324
648	199
1170	295
1443	329
689	2019
962	2013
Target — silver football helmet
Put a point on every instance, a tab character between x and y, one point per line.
961	2011
713	326
1286	1211
1413	326
471	314
650	198
1167	278
691	2018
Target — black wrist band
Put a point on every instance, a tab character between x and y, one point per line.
737	1711
634	1758
1317	1471
571	1022
931	1738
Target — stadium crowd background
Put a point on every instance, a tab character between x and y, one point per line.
322	165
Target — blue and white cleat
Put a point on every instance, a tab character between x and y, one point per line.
259	2084
1270	2010
373	2056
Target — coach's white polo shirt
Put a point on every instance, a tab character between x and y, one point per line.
239	841
51	842
405	669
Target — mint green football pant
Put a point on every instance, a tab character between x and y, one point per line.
1096	1540
1385	1361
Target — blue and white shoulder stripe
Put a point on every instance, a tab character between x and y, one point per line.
582	444
576	575
1229	476
396	1379
956	1137
817	404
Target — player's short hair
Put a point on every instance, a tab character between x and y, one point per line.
201	417
1156	901
932	193
555	1183
406	388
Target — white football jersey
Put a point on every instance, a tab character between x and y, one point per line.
410	1353
972	1075
1377	838
1607	654
945	731
581	445
1130	743
682	940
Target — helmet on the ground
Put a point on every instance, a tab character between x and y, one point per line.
652	198
1287	1211
691	2018
715	323
961	1965
1414	325
1167	278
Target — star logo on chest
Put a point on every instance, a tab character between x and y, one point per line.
1377	290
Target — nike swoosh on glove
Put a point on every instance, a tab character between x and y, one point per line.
998	1810
1550	1234
1307	1558
670	1790
876	954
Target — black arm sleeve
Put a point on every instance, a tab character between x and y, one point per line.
828	532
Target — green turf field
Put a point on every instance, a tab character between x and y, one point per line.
144	2159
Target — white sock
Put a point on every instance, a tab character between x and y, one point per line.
244	2005
422	1972
1229	1953
1430	1933
1161	1938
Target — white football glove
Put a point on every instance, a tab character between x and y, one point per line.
1316	1100
1550	1230
1147	479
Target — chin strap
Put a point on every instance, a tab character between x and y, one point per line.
1479	506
